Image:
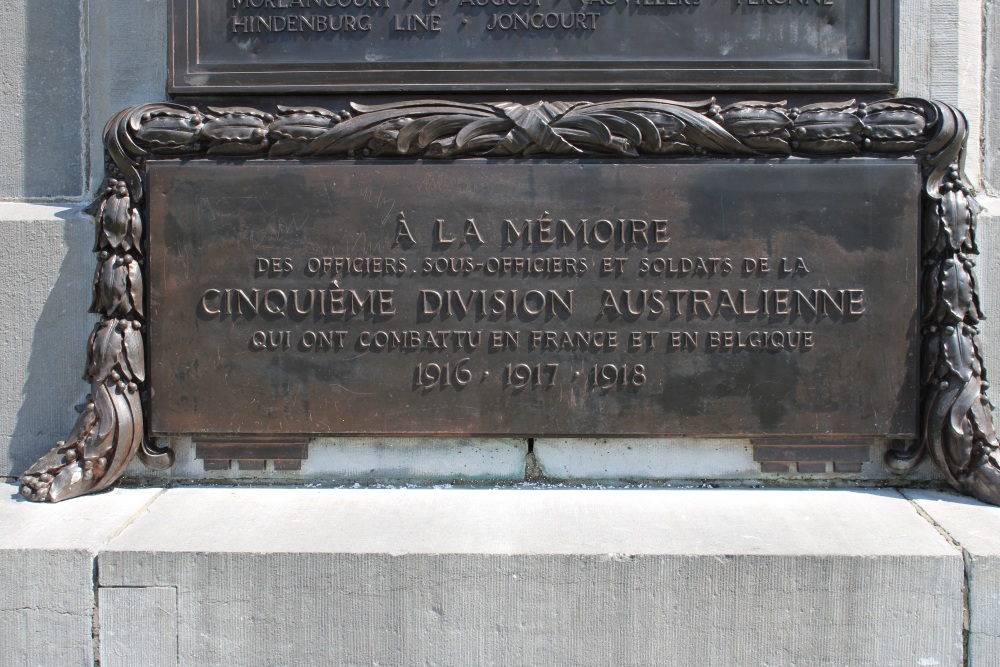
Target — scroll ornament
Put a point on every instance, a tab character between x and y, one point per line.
956	419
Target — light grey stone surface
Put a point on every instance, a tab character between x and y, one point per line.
976	527
138	626
916	59
127	49
42	100
47	559
46	268
940	57
567	577
991	98
967	54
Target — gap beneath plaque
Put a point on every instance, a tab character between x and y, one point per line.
251	452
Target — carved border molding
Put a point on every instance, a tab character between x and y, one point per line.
957	424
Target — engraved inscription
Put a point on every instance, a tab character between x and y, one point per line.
615	298
263	19
259	17
309	45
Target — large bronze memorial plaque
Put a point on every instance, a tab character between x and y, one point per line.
696	297
630	267
271	46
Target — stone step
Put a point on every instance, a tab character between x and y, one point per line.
514	576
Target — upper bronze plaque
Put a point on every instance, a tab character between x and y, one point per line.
222	46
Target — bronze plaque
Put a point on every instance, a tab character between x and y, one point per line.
696	297
223	46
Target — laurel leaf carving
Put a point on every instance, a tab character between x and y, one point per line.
135	355
116	216
105	350
135	287
894	124
956	291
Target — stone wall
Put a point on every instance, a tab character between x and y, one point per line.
65	68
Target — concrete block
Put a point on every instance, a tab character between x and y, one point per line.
976	528
991	98
545	577
634	458
413	458
42	100
47	560
128	64
138	626
46	268
370	459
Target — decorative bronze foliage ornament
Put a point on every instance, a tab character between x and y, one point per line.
957	425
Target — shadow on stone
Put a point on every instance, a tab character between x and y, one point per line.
52	371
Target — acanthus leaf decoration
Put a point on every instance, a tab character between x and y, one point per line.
957	429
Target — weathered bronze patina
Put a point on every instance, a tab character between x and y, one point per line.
480	297
477	45
851	208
